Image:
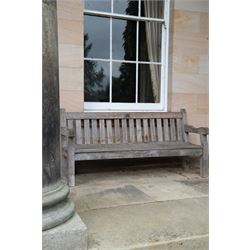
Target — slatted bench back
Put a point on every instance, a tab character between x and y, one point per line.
124	128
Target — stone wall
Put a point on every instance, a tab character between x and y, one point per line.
70	37
188	83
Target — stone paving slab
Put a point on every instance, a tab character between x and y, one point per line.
129	226
152	209
135	187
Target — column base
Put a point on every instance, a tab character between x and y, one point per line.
71	235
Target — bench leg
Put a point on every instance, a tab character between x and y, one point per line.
204	165
71	167
185	165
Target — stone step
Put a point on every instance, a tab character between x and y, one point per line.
173	224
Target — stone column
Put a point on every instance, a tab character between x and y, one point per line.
57	208
62	227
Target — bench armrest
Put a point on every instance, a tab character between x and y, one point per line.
200	131
67	132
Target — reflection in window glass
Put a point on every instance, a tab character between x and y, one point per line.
149	83
123	82
152	8
124	39
96	37
150	35
129	7
98	5
96	81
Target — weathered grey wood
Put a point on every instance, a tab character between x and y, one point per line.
172	130
110	132
137	154
86	132
138	130
137	135
71	127
70	124
102	131
117	131
63	121
152	130
145	130
95	136
179	130
124	131
121	115
136	146
166	130
159	130
131	130
201	130
204	159
79	137
184	122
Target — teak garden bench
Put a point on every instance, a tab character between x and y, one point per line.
120	135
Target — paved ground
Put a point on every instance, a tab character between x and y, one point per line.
156	209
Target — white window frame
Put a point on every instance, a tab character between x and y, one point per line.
133	107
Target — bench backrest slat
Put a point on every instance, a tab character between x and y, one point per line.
179	130
95	136
166	129
152	130
145	131
159	130
138	130
124	131
131	131
109	132
86	132
117	131
102	131
79	137
124	128
172	130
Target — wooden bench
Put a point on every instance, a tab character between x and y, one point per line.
119	135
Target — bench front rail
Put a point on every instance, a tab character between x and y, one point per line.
117	135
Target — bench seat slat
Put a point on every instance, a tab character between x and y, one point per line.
138	154
139	146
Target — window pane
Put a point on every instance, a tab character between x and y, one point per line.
96	81
126	7
123	82
152	8
150	35
124	40
96	37
98	5
149	78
